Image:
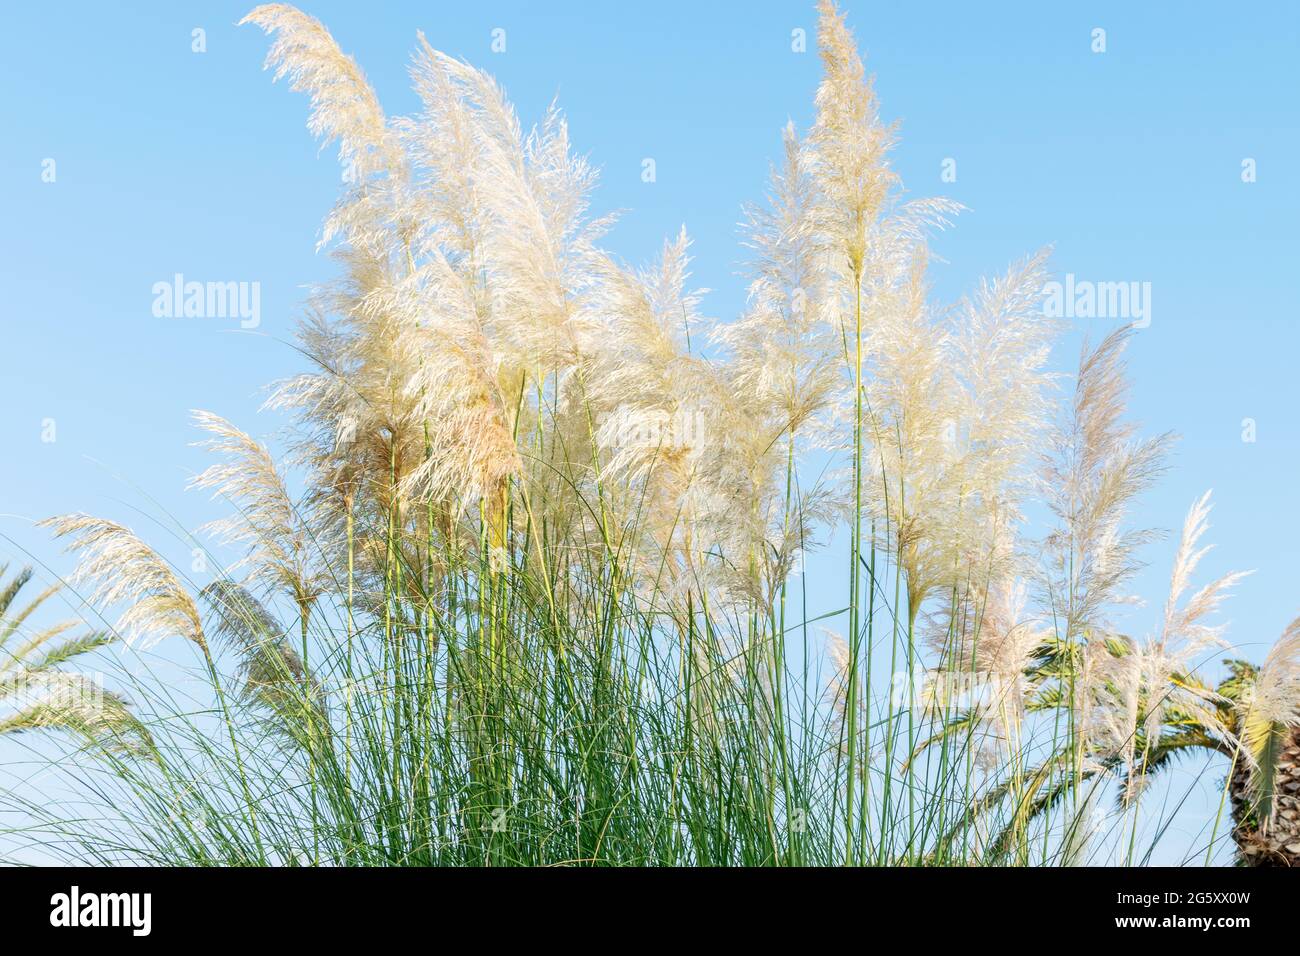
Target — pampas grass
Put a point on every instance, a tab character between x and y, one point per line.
538	600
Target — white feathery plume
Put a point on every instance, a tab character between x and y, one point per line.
266	519
1094	470
344	109
521	213
781	353
839	686
847	150
986	642
1276	692
120	568
915	494
1184	634
665	418
1000	349
1107	698
1185	624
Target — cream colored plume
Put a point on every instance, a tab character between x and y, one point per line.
119	568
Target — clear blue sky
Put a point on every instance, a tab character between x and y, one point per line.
1129	162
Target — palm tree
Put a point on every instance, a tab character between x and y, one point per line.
1256	726
36	694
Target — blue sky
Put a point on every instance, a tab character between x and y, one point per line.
1129	162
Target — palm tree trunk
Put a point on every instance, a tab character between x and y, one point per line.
1278	843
